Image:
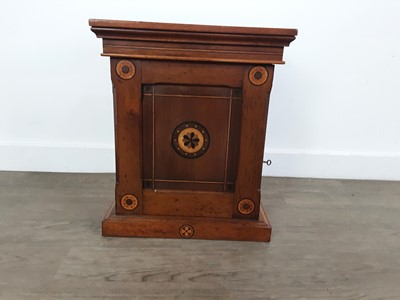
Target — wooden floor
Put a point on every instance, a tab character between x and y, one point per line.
331	239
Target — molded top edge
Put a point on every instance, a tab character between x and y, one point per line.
192	28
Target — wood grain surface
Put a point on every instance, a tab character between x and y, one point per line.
203	227
191	27
185	42
128	136
252	140
332	239
177	87
187	203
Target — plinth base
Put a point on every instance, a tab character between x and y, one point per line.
187	227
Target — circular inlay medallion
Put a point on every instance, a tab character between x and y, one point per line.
186	231
129	202
190	139
258	75
246	206
125	69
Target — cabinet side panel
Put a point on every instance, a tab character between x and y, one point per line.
128	135
252	138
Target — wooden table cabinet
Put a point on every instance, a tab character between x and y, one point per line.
190	107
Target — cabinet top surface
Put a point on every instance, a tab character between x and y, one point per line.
191	28
167	41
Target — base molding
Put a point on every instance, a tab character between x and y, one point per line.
186	227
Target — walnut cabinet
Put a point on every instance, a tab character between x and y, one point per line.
190	109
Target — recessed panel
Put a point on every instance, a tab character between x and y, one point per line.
188	141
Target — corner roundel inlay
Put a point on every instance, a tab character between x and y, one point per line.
186	231
246	206
125	69
258	75
190	139
129	202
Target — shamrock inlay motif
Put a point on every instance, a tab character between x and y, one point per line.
191	140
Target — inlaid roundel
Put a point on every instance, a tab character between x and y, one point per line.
190	139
